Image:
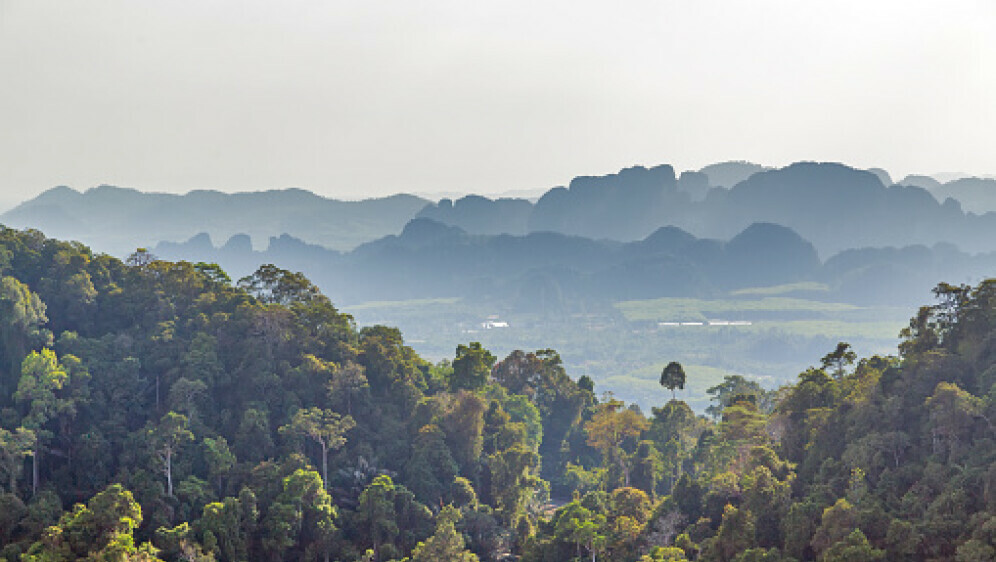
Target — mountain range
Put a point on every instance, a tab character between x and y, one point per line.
835	207
639	233
553	271
116	220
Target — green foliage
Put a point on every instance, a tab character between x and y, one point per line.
445	544
22	315
270	284
14	446
471	366
166	439
257	422
325	427
101	530
853	548
673	377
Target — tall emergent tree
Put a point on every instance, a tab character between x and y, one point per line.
22	315
673	377
837	360
325	427
41	377
167	438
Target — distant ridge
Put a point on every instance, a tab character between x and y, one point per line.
729	174
430	260
976	195
434	259
833	206
116	220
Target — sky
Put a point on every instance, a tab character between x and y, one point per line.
365	98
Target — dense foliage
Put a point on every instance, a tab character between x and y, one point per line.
157	410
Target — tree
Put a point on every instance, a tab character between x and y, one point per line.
230	522
974	550
325	427
586	383
22	315
14	446
376	514
609	428
167	438
185	394
446	544
837	523
141	257
431	467
647	468
510	475
41	377
837	360
854	548
302	516
464	424
101	530
471	366
581	526
272	285
673	377
252	440
953	412
735	534
219	458
346	383
733	386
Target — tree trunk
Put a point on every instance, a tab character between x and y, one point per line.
169	473
325	467
34	470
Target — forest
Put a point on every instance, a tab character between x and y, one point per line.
160	410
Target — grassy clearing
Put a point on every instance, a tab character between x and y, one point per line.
685	309
626	358
643	385
837	329
807	287
401	305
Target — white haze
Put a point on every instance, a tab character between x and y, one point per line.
364	98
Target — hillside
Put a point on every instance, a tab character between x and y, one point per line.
436	260
153	410
976	195
439	260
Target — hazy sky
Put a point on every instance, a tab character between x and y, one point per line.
362	98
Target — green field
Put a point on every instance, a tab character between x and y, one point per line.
645	383
623	348
804	287
689	310
410	305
